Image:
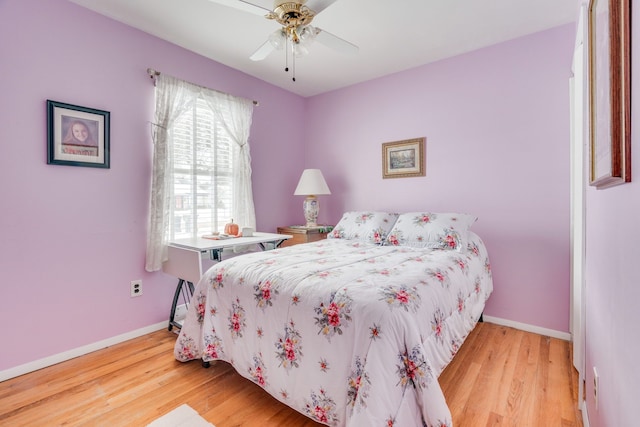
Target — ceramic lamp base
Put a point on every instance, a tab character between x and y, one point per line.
311	207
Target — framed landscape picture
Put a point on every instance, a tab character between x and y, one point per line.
77	136
401	159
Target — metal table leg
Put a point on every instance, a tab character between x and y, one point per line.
187	293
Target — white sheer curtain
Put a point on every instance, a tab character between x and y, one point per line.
173	98
237	122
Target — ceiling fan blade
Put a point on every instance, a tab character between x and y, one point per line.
335	42
262	52
319	5
265	5
245	6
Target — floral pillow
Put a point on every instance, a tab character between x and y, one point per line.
365	226
431	230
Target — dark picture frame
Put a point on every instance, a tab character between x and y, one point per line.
77	136
609	92
402	159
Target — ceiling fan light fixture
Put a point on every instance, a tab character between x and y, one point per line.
278	39
306	34
300	50
296	34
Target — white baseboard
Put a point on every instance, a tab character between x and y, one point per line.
585	415
180	313
80	351
529	328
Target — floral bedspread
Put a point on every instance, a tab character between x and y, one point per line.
345	332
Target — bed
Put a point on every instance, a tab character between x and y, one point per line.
353	330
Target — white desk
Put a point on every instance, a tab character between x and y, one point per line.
185	260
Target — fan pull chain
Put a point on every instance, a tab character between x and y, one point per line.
286	54
288	43
293	61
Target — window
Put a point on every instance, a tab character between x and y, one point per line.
203	167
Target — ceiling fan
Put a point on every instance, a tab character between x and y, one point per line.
296	33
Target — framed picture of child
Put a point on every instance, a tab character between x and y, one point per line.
77	136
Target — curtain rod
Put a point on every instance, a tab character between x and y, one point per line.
153	74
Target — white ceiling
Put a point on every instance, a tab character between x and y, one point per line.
392	35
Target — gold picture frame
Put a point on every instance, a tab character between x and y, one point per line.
401	159
609	93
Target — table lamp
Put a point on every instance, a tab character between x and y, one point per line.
311	184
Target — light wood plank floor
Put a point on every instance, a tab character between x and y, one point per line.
500	377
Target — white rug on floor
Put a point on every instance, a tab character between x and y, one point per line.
182	416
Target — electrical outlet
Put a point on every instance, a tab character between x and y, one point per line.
136	288
596	392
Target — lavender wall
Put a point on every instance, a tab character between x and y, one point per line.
497	127
612	286
73	238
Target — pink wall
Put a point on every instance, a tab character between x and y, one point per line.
73	238
612	285
497	127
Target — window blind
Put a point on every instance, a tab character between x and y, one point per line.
203	159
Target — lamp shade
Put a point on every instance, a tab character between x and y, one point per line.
311	183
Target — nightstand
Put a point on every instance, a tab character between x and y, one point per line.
303	234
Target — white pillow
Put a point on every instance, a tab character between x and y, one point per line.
448	231
364	226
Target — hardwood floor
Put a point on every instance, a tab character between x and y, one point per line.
500	377
506	377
